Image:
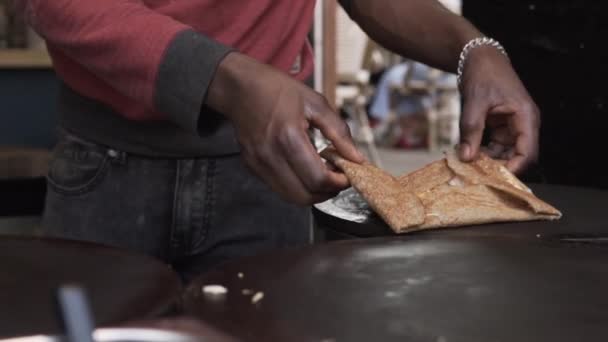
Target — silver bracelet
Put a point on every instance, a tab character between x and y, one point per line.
477	42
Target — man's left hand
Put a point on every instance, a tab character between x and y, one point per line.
495	99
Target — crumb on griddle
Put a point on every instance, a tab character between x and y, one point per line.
257	297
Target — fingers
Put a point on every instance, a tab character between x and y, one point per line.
524	153
282	179
517	163
308	165
501	139
495	150
524	124
513	143
514	133
332	167
335	130
292	167
472	125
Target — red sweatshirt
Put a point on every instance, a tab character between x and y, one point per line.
151	61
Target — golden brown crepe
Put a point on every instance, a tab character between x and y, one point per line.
382	191
445	193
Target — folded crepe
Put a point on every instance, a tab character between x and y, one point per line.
445	193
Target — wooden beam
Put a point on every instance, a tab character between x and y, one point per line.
329	51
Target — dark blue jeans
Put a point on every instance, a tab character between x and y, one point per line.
191	213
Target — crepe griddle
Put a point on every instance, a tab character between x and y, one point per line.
584	218
119	285
415	288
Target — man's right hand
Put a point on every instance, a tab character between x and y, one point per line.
271	113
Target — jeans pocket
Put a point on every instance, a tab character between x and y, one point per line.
77	167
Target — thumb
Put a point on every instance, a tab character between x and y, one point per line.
472	125
336	130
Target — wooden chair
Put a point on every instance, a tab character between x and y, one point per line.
441	113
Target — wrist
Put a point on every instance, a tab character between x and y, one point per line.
479	51
227	82
486	53
462	36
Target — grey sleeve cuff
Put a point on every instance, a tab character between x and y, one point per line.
184	76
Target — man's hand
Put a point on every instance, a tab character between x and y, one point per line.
495	99
272	113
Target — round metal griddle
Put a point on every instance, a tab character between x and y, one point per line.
585	218
422	288
120	286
